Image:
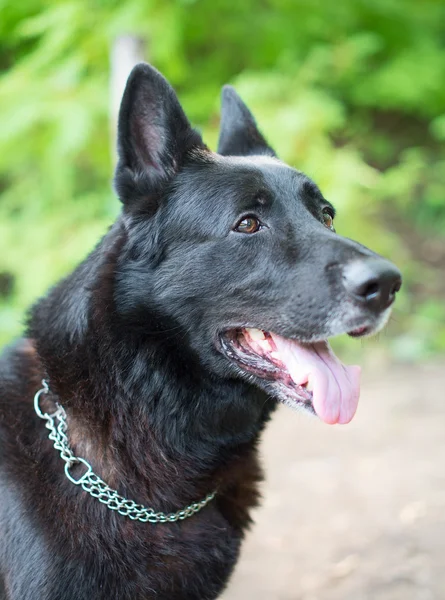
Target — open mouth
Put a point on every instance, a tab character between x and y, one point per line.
306	375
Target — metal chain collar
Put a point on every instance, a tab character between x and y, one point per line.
93	484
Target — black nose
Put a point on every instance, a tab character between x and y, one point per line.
373	282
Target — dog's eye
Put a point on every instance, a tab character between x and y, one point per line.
248	225
328	218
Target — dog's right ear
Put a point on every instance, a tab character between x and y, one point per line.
239	134
154	138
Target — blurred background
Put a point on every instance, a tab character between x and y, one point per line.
350	92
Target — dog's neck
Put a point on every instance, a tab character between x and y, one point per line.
132	407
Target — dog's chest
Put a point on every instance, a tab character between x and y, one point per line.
139	561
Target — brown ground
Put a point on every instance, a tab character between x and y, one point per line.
354	512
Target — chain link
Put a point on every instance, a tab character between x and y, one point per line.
93	484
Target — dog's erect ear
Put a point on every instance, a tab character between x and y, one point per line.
154	136
239	135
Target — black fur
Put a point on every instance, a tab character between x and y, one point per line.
129	343
239	135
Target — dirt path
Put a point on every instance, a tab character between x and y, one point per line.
355	512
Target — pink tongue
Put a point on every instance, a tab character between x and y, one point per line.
336	388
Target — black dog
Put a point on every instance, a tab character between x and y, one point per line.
209	299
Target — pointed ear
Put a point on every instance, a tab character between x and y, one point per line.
154	136
239	135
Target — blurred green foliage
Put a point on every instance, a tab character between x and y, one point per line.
350	92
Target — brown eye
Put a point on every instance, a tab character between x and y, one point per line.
328	219
248	225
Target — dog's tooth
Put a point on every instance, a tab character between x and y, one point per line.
310	384
264	345
275	355
256	334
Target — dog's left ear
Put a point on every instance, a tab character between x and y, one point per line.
154	138
239	135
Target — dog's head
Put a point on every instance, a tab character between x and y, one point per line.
238	251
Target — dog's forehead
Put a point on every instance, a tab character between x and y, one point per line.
229	185
253	173
257	164
258	160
